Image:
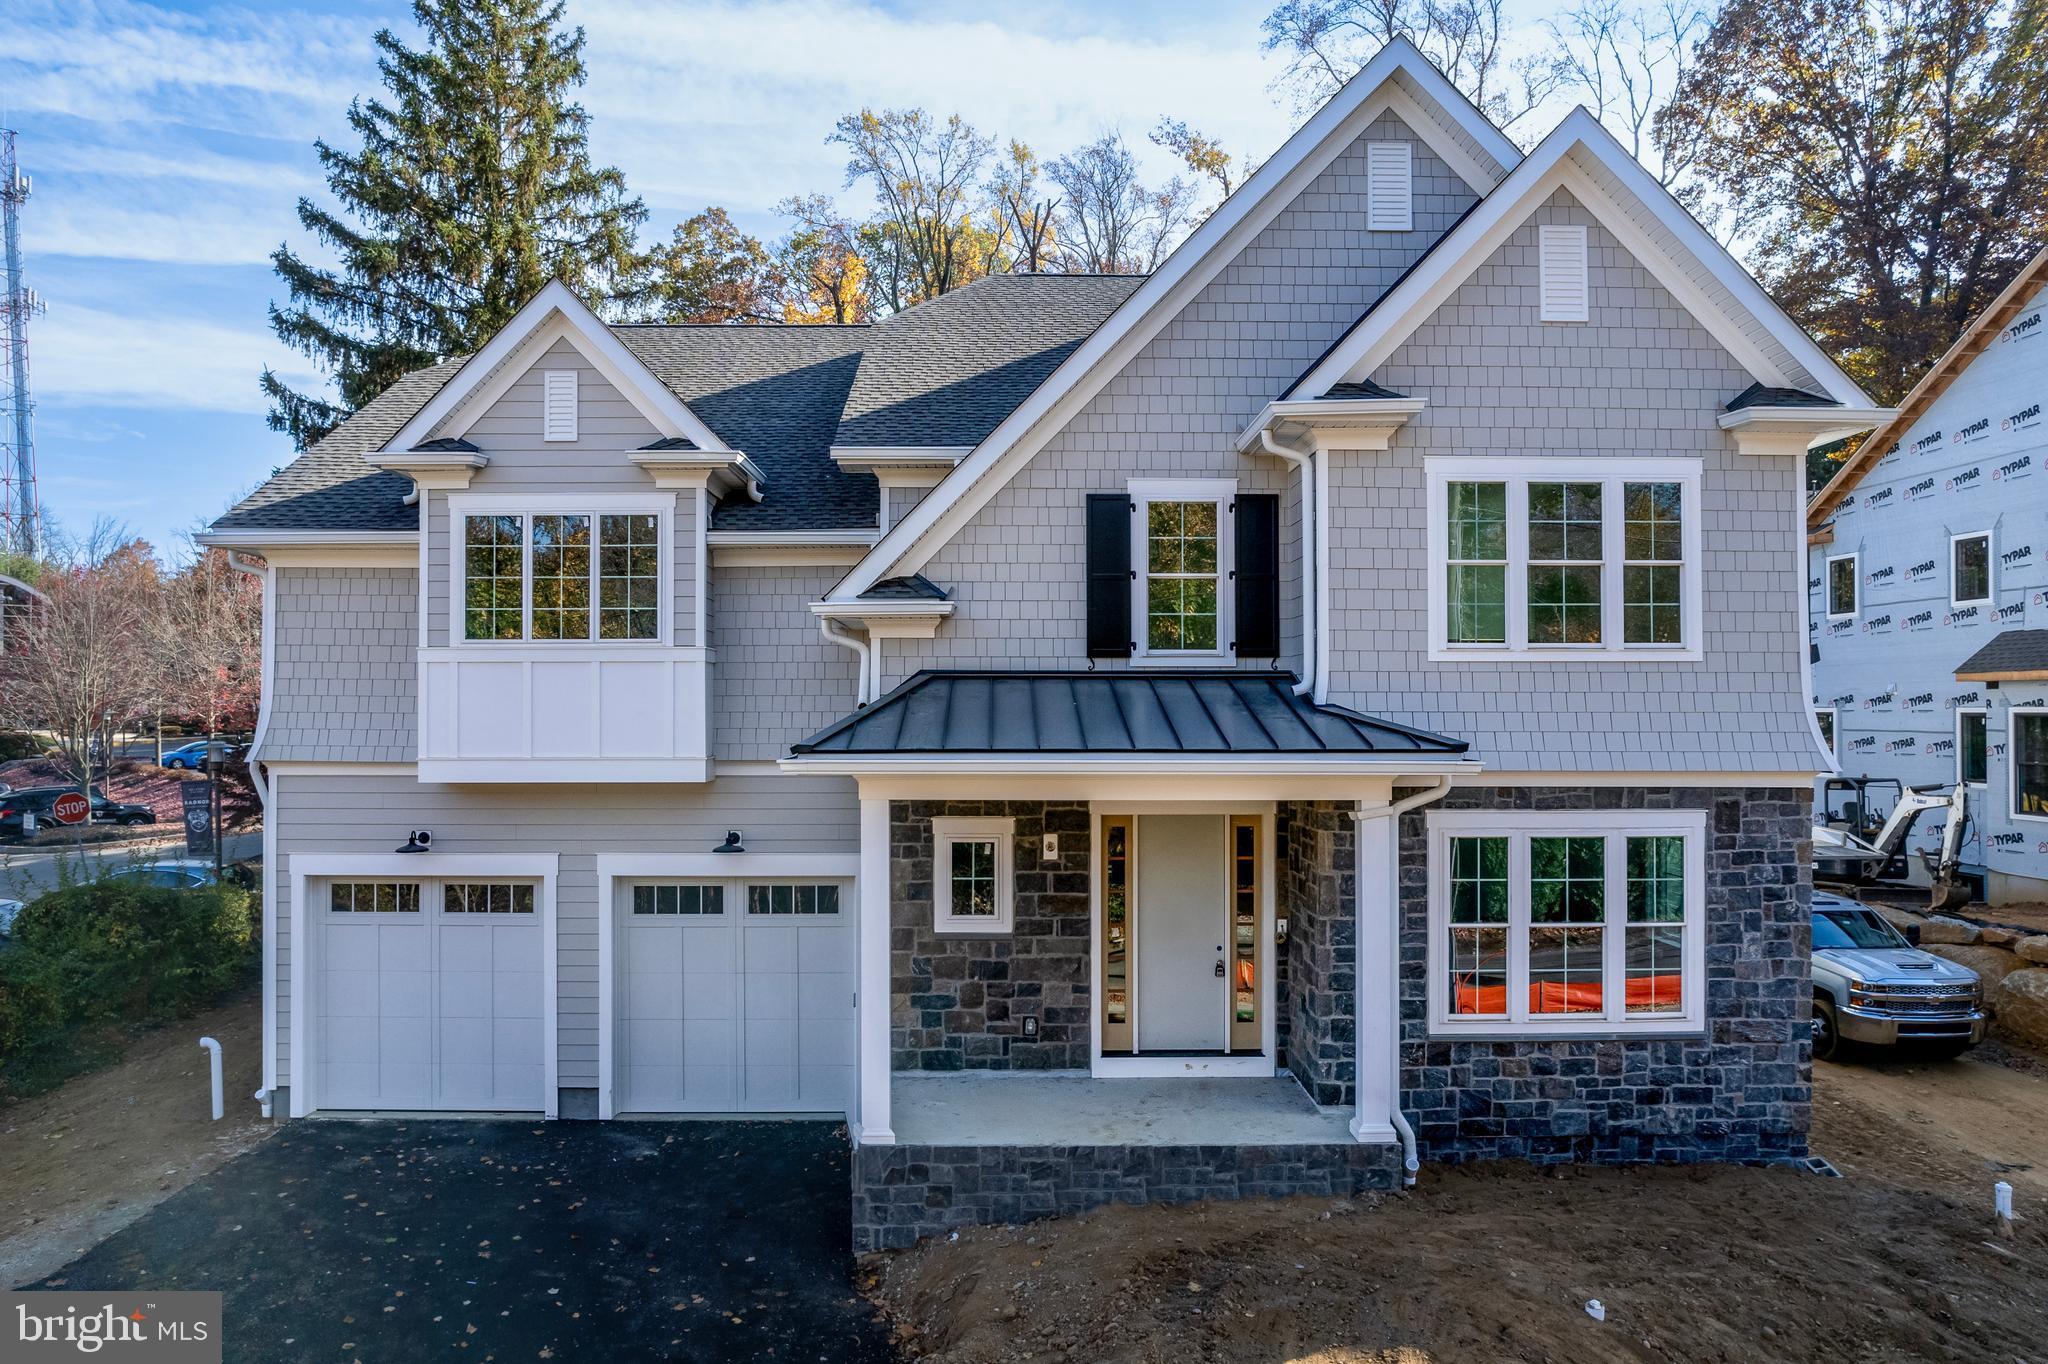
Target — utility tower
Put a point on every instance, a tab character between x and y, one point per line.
17	305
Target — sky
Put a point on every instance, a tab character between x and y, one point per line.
169	143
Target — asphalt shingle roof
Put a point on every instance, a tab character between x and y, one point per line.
916	587
1053	712
1761	395
947	371
2014	651
1363	388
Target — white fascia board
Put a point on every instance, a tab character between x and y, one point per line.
911	542
1376	412
256	537
865	608
781	538
1094	764
1817	424
553	313
1395	317
873	457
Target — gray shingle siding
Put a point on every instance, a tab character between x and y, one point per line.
1174	411
775	679
345	681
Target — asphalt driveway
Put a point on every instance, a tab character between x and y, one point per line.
393	1240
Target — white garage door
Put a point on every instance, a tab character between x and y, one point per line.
734	997
429	996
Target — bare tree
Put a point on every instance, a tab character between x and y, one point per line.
1327	41
79	664
1018	190
207	638
1627	60
1110	222
926	176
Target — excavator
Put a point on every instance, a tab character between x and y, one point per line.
1856	847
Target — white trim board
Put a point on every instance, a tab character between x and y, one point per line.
553	314
1550	167
912	541
544	867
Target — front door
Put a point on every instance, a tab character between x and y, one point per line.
1182	981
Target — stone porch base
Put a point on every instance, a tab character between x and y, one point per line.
902	1194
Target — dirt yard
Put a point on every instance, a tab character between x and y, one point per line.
80	1163
1900	1259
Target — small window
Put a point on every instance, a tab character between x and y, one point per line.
794	900
558	395
1970	569
374	897
486	897
1183	551
1973	746
1545	925
973	889
1478	565
2029	763
1389	186
1842	583
1562	248
694	900
1824	719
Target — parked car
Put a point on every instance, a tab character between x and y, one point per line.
41	800
192	756
178	874
1872	985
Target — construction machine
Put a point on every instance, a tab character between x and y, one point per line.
1859	844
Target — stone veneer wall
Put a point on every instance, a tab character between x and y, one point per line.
957	1001
902	1194
1316	988
1741	1092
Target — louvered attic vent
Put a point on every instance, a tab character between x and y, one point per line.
1389	187
1563	251
558	388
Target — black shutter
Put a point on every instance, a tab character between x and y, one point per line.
1258	575
1109	575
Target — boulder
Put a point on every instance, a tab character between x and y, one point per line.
1991	963
1945	930
1994	936
2021	1006
2033	948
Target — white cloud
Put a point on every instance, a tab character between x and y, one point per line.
87	355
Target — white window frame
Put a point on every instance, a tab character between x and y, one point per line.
948	830
1990	570
2015	716
1834	730
460	507
1617	827
1827	585
1518	472
1985	712
1398	160
1143	492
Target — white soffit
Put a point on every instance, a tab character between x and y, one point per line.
553	314
1399	79
1683	258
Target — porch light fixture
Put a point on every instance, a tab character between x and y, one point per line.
732	843
418	841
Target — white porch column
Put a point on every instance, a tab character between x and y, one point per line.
871	1125
1376	1004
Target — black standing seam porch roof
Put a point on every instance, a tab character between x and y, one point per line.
1211	712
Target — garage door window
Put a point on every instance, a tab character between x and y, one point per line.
486	897
374	897
679	899
793	900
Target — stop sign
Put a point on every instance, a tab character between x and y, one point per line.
71	808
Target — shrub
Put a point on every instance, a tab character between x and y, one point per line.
15	745
103	955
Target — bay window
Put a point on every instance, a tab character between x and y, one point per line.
1553	924
585	574
1563	558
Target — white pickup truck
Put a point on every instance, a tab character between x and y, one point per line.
1871	985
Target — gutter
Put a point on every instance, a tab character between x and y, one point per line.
830	630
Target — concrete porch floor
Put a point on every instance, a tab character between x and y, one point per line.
984	1108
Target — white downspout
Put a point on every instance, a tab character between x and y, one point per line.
1308	557
1410	1162
862	652
1321	465
266	673
701	614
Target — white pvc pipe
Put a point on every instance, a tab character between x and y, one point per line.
2001	1200
1308	557
219	1100
860	649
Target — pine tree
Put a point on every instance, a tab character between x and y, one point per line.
472	190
